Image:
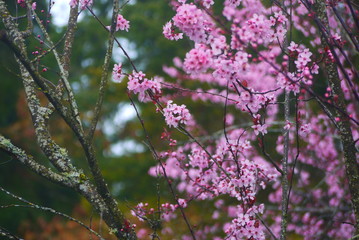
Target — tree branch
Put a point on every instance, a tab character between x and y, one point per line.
104	75
345	133
47	209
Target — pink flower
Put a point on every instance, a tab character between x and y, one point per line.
260	129
22	3
280	32
207	3
280	17
293	47
305	129
142	233
198	60
175	114
193	22
303	59
73	3
139	84
241	57
86	3
218	44
168	32
140	211
117	72
242	219
182	202
122	23
287	125
235	3
336	37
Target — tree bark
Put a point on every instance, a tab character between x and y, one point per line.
343	125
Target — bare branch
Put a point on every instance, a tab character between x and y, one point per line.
8	235
104	75
28	161
47	209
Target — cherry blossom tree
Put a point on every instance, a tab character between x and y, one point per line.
283	70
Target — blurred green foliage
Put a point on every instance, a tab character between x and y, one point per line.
127	174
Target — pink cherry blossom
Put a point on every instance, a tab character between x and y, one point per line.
73	3
85	3
139	84
168	32
122	23
175	114
198	59
117	72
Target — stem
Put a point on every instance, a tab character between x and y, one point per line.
104	75
285	184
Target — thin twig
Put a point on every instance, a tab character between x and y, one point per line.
47	209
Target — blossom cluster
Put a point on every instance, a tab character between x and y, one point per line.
260	29
169	32
198	60
304	70
252	62
117	72
122	23
215	173
246	67
167	210
139	84
193	22
175	114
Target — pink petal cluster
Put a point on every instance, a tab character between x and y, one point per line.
193	22
303	59
122	23
244	66
86	3
73	3
258	128
235	3
169	32
207	3
139	84
261	30
198	60
175	114
117	72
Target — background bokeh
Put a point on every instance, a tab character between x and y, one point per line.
123	157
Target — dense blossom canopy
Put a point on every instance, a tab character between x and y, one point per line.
250	66
284	161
